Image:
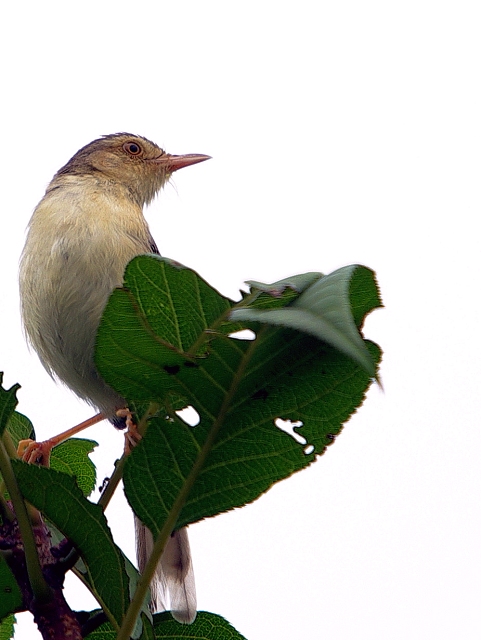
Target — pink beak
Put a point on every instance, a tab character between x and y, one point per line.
172	163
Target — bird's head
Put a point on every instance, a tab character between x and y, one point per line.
130	160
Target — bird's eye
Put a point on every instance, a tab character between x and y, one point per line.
132	148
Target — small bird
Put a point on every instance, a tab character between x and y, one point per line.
82	234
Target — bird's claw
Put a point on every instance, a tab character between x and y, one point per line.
34	452
132	435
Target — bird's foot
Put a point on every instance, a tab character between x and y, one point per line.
132	435
35	452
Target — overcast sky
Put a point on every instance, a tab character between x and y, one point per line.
341	132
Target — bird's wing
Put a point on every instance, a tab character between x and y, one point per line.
153	247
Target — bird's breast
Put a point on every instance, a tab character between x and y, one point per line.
75	255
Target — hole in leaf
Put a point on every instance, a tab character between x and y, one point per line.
189	415
244	334
290	427
309	449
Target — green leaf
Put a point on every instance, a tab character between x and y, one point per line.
20	428
164	308
104	632
144	621
160	352
148	632
7	628
72	457
10	594
57	496
143	625
8	402
206	626
312	384
323	310
280	293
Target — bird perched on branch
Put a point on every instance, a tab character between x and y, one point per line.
81	236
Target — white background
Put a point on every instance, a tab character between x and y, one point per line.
341	132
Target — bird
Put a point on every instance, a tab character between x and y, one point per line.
87	227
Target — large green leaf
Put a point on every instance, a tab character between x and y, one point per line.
57	495
178	347
249	453
151	324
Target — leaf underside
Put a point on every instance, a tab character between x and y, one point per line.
168	337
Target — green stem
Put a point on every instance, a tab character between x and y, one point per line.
151	411
40	589
5	512
135	606
207	334
116	477
112	484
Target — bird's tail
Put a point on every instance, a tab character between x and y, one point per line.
174	577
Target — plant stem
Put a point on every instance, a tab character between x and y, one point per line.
135	606
112	484
210	331
119	467
40	589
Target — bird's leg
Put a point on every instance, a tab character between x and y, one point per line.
132	435
39	452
